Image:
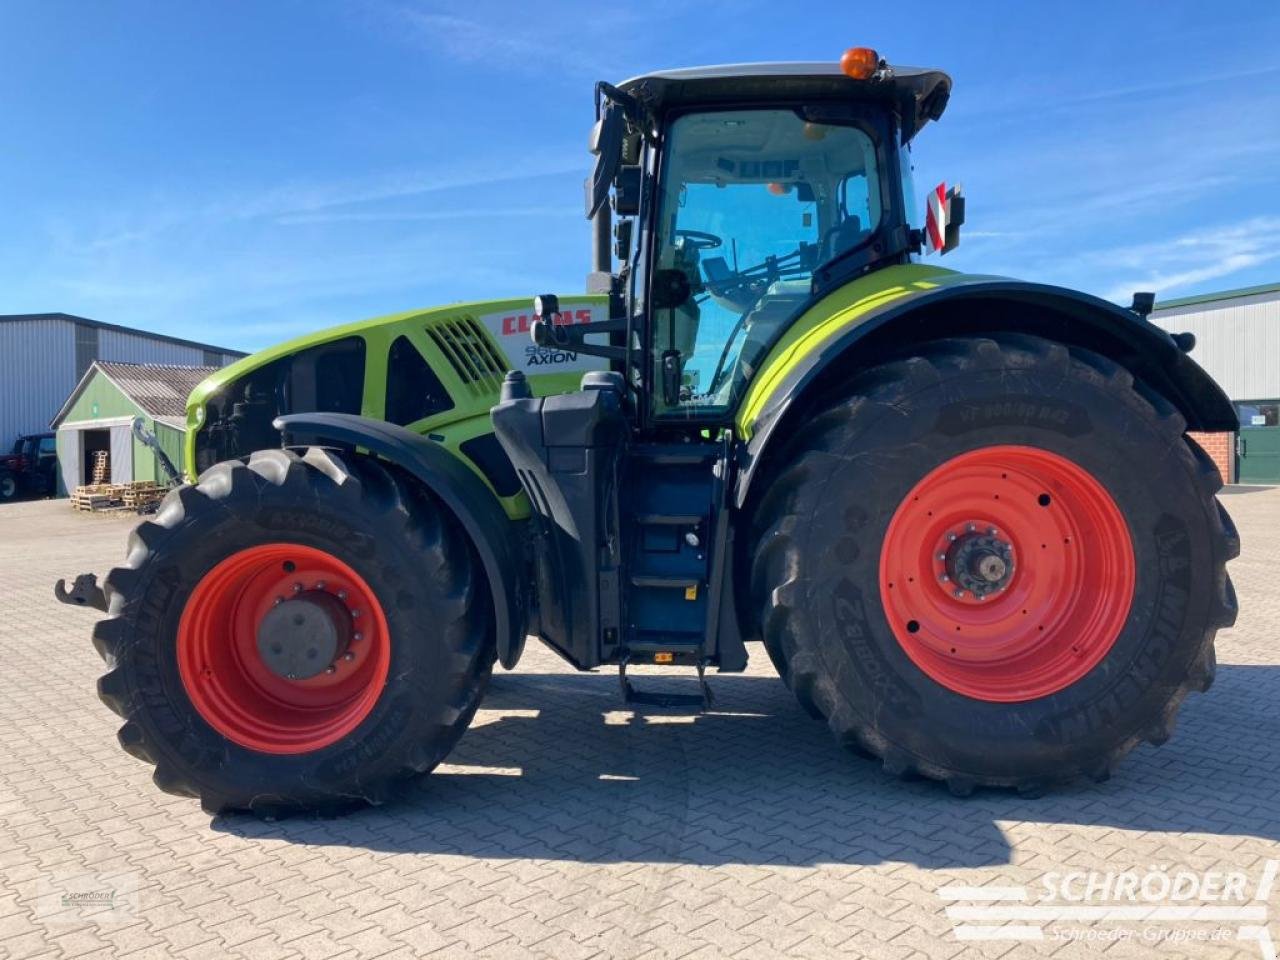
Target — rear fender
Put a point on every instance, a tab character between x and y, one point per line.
969	306
495	537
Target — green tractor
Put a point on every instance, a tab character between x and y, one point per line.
962	513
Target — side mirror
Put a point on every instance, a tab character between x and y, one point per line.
606	144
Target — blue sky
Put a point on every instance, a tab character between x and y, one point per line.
242	172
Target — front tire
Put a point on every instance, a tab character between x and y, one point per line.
1021	641
9	486
375	580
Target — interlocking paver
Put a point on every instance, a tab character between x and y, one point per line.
565	827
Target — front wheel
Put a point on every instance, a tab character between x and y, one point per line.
8	486
295	633
997	562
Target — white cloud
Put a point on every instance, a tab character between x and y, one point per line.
525	43
412	216
1195	257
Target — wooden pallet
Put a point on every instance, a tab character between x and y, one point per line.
142	494
101	467
96	497
137	497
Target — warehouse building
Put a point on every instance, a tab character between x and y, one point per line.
43	356
95	425
1238	342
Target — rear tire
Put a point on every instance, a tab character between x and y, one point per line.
823	574
415	569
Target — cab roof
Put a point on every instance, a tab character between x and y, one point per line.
919	94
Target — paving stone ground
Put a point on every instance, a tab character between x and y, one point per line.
565	827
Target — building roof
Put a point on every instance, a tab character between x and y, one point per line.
160	390
134	331
1221	295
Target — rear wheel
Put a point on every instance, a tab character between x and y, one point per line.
293	633
998	562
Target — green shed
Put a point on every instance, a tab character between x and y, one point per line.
100	412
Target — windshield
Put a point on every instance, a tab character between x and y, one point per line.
752	202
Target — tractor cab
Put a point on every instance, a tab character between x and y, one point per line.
741	196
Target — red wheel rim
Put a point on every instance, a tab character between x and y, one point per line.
1039	616
235	690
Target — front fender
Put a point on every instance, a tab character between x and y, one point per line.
956	305
494	536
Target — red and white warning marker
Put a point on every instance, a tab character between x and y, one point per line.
944	213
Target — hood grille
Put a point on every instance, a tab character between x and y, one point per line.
473	356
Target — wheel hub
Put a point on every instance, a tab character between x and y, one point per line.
302	637
978	564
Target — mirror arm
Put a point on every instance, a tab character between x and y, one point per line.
571	337
629	104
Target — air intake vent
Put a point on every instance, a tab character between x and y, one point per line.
473	356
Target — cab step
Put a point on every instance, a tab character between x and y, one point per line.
665	583
631	695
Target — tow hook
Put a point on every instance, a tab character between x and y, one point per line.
85	592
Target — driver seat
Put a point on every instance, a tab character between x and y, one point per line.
843	236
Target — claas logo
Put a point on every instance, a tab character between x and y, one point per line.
520	324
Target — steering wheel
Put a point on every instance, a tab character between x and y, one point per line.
698	240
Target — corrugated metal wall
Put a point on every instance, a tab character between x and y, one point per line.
1237	342
132	348
37	371
38	366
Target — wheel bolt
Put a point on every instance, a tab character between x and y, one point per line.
354	614
959	593
278	601
297	588
357	635
944	578
319	584
331	669
951	536
992	531
342	594
348	656
290	676
971	528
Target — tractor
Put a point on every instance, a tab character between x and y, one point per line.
31	468
962	514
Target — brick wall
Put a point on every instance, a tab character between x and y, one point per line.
1222	448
